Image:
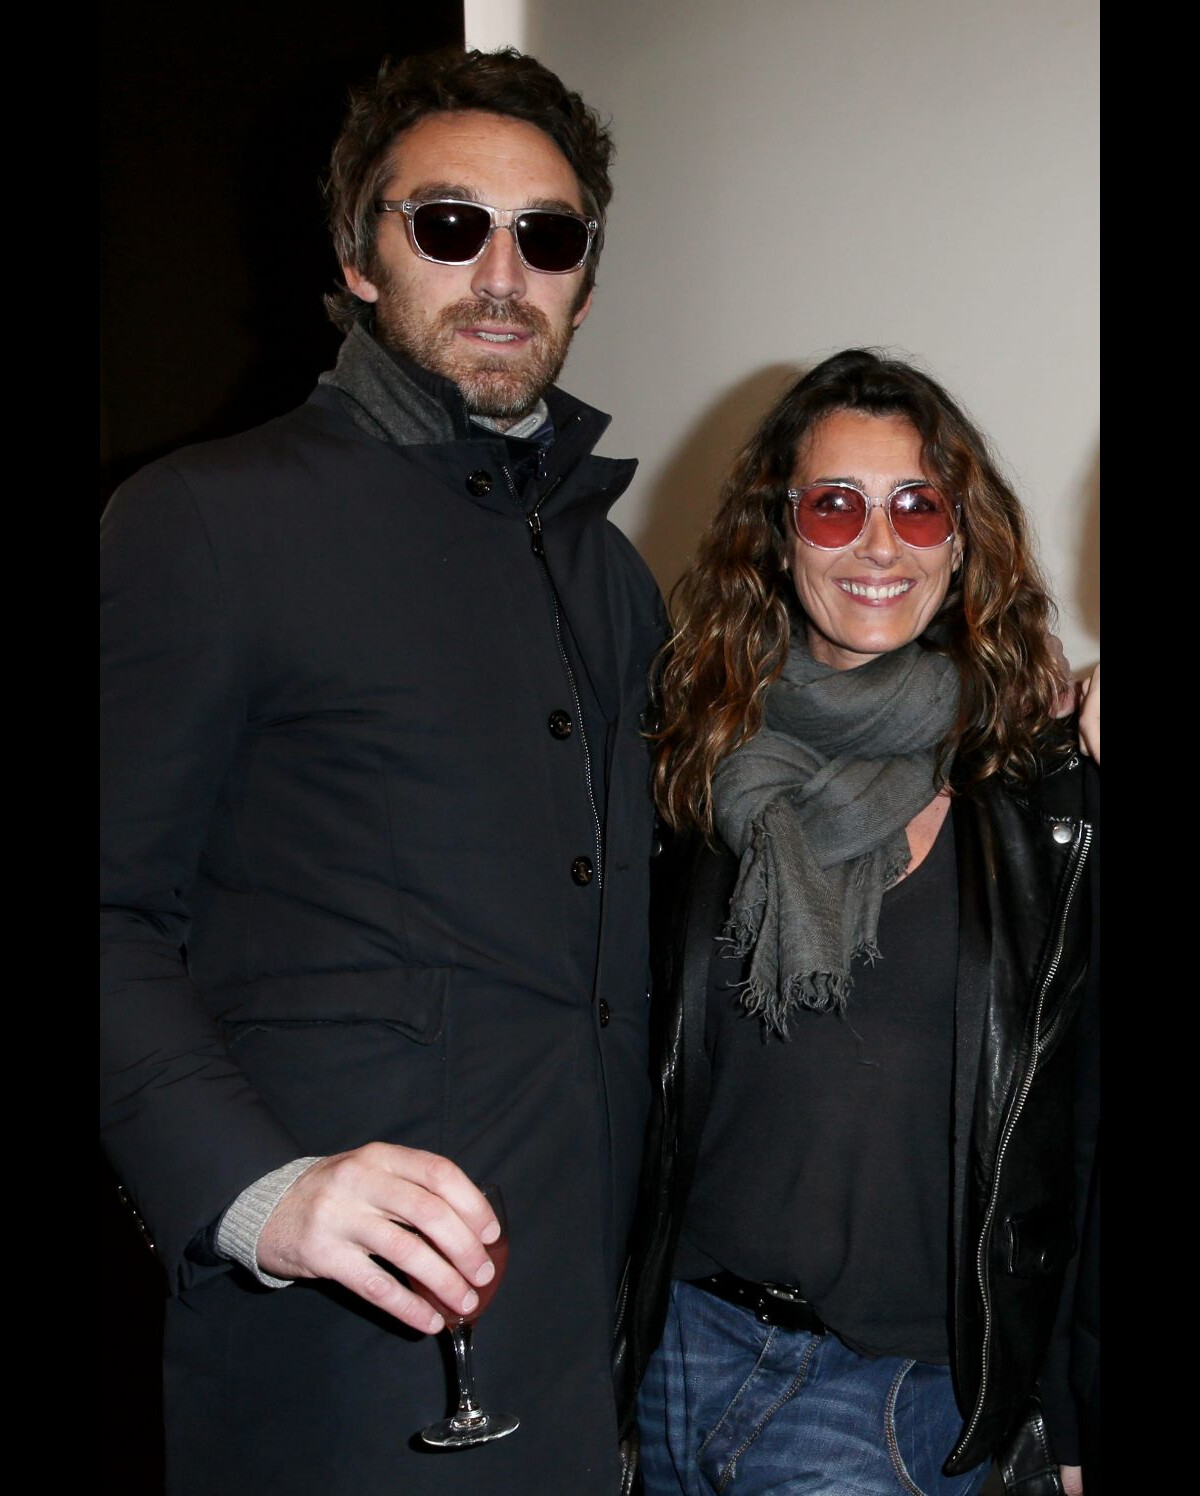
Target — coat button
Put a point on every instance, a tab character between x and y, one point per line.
581	871
560	724
479	483
603	1011
1061	834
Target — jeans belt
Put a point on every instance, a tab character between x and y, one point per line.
770	1303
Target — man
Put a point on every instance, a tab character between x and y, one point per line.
377	833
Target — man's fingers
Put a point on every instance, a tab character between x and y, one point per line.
436	1200
353	1216
374	1283
443	1179
428	1272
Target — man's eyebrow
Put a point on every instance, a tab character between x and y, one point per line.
429	192
554	204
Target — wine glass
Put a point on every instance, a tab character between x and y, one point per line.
469	1424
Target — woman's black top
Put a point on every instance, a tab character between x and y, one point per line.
825	1159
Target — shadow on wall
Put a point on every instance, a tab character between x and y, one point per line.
684	496
1086	600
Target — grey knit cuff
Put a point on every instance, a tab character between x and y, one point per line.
242	1224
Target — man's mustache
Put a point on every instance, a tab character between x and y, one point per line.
500	313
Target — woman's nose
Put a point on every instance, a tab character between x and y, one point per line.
877	543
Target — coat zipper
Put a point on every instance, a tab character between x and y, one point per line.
1014	1117
534	521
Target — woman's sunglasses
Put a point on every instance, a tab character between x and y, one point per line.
831	516
451	232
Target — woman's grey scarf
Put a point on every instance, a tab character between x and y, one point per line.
815	805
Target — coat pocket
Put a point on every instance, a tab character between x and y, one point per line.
1039	1242
346	1058
410	999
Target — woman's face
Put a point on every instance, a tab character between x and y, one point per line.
876	594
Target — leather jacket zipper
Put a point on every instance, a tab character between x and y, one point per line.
534	521
1013	1118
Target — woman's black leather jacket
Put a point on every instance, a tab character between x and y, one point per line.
1026	969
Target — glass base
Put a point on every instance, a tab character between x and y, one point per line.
458	1433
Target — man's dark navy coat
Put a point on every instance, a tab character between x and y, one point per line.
339	906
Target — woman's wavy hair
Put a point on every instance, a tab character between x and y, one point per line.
735	605
447	81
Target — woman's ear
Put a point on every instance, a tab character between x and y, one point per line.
956	563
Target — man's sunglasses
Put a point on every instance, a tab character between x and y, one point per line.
451	232
832	516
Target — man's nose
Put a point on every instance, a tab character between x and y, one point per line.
877	543
499	273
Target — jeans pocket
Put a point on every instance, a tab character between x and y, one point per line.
922	1423
769	1387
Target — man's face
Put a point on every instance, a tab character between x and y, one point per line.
499	330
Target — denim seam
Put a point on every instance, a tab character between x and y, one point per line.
731	1468
733	1401
889	1420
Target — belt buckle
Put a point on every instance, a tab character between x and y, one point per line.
783	1291
787	1298
767	1296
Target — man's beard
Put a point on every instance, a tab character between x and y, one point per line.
499	386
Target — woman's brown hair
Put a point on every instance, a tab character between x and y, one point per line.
734	606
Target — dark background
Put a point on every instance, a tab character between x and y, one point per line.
215	127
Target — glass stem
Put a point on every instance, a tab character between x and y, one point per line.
468	1410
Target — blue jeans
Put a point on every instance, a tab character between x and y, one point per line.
729	1404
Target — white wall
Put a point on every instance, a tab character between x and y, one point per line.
797	176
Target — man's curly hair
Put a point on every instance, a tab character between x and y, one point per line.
447	81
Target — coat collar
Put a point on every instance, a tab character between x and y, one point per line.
396	400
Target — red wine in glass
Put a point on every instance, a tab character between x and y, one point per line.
469	1423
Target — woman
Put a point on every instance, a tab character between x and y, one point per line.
860	1185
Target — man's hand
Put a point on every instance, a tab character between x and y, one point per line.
1072	1479
1089	714
416	1211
